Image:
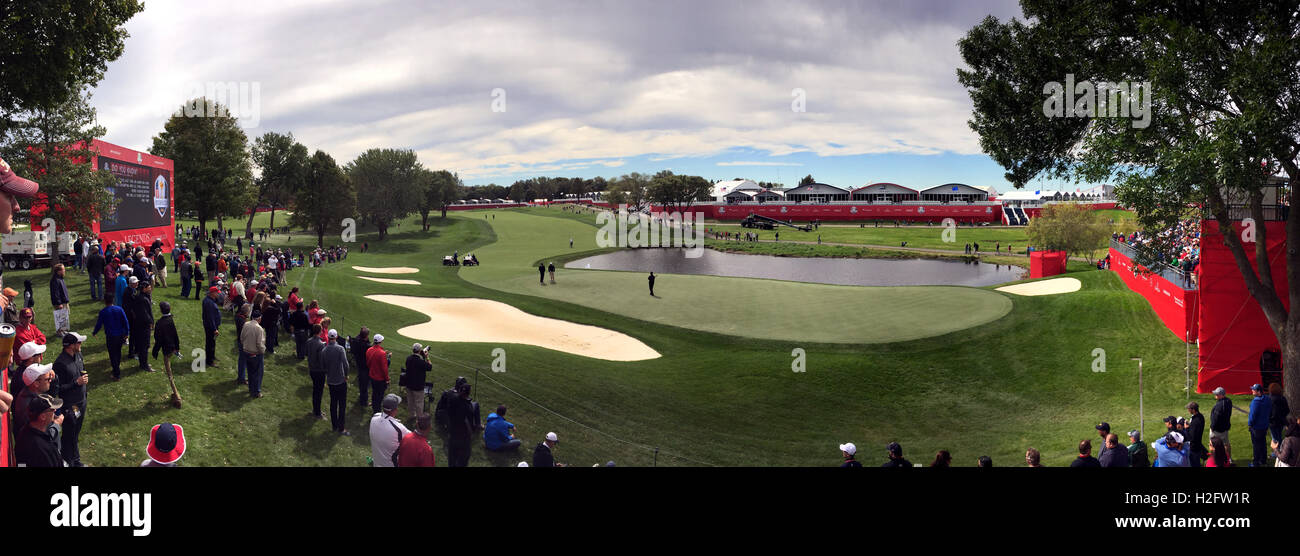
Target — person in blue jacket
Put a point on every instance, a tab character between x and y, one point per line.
1171	451
120	285
1260	410
112	318
499	435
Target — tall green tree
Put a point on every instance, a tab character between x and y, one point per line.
1223	116
387	184
807	180
53	49
437	190
676	193
52	144
283	165
214	176
1069	227
632	190
324	197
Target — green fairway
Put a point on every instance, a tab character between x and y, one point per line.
768	309
995	389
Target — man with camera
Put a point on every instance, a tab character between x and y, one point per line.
417	368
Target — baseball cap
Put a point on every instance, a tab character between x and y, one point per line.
214	289
12	184
1134	434
133	281
894	448
42	403
1256	388
34	372
73	338
124	268
522	464
551	436
848	448
10	292
333	333
278	297
1104	426
416	347
1219	391
1176	437
254	282
166	443
30	350
391	402
378	337
26	312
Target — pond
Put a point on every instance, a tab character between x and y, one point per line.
820	270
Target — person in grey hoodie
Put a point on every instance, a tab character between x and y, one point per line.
334	360
314	347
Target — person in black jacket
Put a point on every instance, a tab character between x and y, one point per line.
460	427
95	268
211	326
141	309
543	454
59	300
186	271
1196	435
128	304
271	316
359	346
70	371
300	327
417	369
38	444
166	340
1278	412
1221	419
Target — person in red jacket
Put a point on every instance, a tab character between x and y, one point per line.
414	450
377	362
26	329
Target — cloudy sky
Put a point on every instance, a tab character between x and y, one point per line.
588	88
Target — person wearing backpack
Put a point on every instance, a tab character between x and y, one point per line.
386	432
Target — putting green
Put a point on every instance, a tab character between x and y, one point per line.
756	308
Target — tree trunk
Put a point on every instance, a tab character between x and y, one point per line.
273	218
248	228
424	220
444	212
320	237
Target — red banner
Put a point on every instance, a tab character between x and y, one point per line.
1233	330
805	213
1175	306
1046	263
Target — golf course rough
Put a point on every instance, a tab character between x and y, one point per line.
746	307
485	321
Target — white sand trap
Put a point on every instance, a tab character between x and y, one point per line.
390	280
1044	287
387	269
481	320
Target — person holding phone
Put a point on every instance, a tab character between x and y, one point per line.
72	379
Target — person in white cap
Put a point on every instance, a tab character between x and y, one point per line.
334	360
417	370
37	380
849	451
543	454
377	363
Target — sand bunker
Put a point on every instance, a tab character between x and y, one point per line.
1044	287
387	269
481	320
390	280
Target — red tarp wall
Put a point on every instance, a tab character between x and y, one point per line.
1046	263
1175	306
1233	330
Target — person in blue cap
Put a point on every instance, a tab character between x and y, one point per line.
1260	410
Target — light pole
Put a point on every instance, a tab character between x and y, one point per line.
1141	412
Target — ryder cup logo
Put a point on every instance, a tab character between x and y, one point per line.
160	195
920	210
782	210
853	210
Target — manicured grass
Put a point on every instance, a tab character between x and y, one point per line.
929	237
995	389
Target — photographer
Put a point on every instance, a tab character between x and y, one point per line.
417	367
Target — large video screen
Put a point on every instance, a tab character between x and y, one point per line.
143	196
